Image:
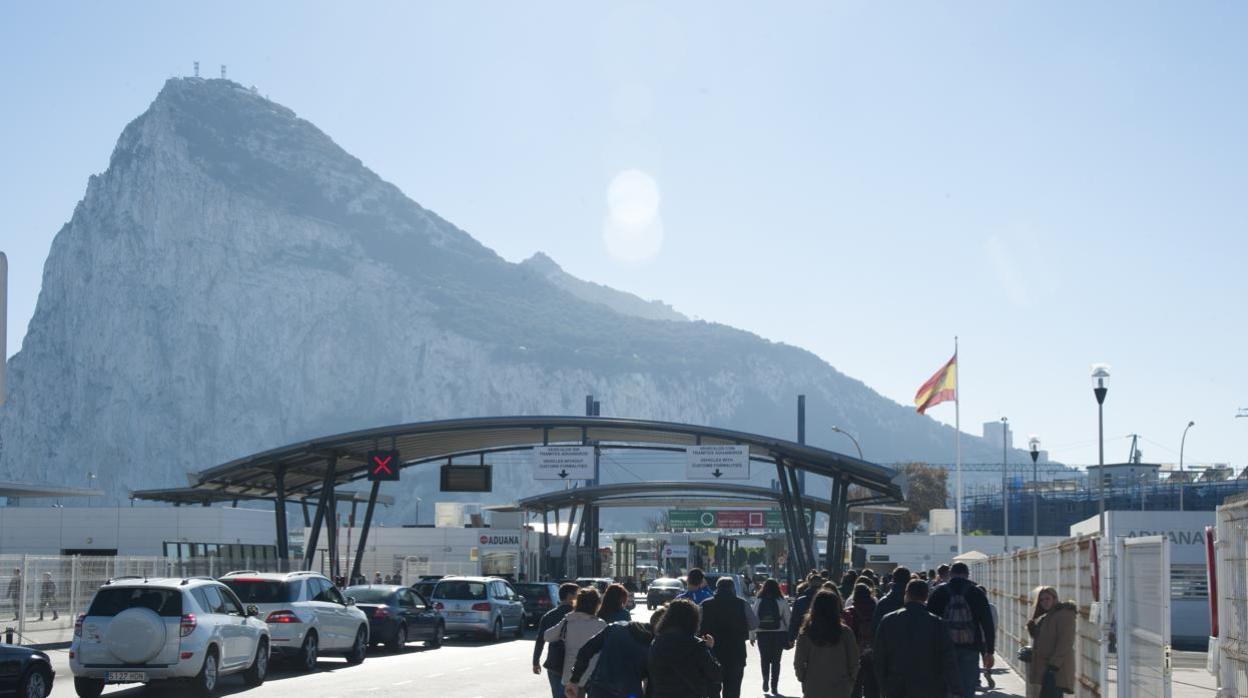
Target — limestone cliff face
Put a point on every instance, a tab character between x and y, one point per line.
235	281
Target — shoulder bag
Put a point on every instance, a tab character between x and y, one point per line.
556	652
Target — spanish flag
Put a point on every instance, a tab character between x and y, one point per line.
941	387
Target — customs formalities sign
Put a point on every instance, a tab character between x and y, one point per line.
718	462
563	463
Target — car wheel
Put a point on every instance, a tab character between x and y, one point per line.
399	641
35	684
259	669
435	642
497	633
359	648
205	682
309	653
88	688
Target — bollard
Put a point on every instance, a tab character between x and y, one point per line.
8	636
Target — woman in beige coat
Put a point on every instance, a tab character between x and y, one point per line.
826	659
576	629
1052	630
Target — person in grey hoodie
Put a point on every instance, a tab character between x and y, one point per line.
576	628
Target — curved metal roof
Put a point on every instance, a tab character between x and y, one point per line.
305	463
675	493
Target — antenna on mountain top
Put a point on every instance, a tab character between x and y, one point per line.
196	68
222	71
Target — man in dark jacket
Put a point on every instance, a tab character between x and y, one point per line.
729	619
802	605
894	600
964	608
623	649
913	654
567	592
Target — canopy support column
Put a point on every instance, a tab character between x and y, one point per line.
368	521
839	517
279	516
327	488
544	562
796	553
568	538
806	539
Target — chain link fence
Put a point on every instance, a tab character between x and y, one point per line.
1230	658
45	593
1011	579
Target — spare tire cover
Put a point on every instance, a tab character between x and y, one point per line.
135	635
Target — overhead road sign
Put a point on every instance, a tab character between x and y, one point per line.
563	463
718	462
689	519
383	466
870	538
467	478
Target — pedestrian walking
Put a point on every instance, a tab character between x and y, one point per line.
622	650
729	619
15	591
696	588
47	596
377	577
575	629
826	657
802	604
614	600
1051	671
963	606
681	664
848	582
556	657
858	619
913	655
398	578
893	600
942	576
772	634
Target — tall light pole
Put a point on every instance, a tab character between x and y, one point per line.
851	438
1182	477
1034	442
1005	476
1100	376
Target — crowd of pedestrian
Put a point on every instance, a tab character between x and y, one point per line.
904	635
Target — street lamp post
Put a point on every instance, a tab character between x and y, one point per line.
851	438
1005	477
1100	375
1182	477
1034	442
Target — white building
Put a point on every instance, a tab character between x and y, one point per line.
425	550
924	551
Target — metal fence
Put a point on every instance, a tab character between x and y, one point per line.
1143	617
1069	566
44	593
1229	654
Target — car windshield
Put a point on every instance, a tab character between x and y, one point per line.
110	601
532	591
457	590
369	594
251	591
667	584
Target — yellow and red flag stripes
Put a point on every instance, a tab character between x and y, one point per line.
941	387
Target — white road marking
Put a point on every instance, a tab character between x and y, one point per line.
401	683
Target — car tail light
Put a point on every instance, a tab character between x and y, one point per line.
543	602
78	624
282	617
438	606
381	612
188	625
483	606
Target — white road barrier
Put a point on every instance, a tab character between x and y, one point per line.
1228	651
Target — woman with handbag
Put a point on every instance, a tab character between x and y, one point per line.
1051	669
575	630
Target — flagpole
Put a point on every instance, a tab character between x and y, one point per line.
957	427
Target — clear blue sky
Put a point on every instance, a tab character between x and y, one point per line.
1057	183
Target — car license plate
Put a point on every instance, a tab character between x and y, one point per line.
140	676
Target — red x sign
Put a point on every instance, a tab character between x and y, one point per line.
383	465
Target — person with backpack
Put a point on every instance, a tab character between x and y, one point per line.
623	650
575	629
858	619
772	634
730	620
963	606
913	655
696	590
554	664
681	664
826	658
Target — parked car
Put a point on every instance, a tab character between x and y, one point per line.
306	614
25	672
479	605
397	615
425	586
539	597
663	590
599	583
140	630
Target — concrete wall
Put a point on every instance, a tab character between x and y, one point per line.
129	530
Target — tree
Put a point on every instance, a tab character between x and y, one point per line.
661	523
926	489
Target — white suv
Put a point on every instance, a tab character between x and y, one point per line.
144	630
306	613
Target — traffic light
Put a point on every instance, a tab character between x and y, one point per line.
383	466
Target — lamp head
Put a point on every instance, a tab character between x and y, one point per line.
1034	442
1191	424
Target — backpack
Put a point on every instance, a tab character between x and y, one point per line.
959	619
768	614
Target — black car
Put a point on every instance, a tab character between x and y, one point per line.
425	586
397	614
663	590
24	672
539	597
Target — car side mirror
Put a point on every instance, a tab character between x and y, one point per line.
350	600
520	598
252	611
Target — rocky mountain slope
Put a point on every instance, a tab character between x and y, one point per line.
235	281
